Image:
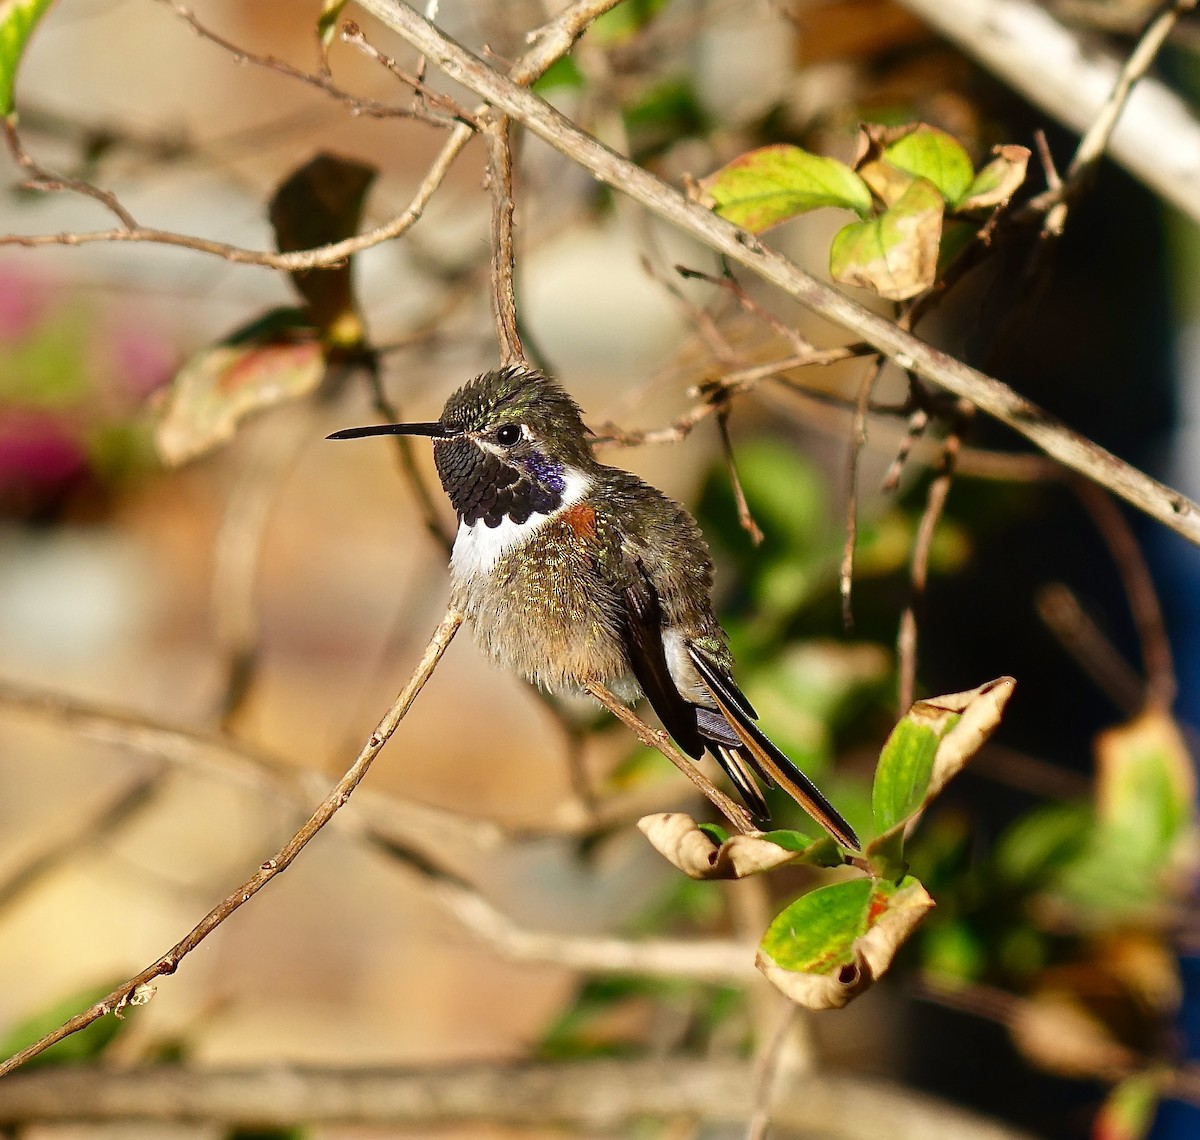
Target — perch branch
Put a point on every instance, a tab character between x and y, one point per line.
657	739
138	989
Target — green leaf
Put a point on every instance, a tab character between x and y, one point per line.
834	942
317	204
768	186
894	254
929	153
714	831
86	1045
276	358
929	746
18	18
905	766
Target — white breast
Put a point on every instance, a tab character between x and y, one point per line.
478	547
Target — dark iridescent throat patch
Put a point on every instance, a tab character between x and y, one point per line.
482	486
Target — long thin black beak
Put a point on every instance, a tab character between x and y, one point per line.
434	431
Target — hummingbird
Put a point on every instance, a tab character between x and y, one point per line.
572	571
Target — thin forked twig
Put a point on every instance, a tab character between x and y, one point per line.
448	116
137	989
739	495
39	178
550	42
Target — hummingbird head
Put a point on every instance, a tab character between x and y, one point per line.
504	446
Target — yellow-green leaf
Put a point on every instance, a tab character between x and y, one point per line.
768	186
896	253
929	153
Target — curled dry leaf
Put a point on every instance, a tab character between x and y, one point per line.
997	182
680	840
980	710
833	943
277	358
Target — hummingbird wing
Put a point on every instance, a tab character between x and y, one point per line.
643	634
764	756
692	728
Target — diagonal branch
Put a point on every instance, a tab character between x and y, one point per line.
137	990
1069	447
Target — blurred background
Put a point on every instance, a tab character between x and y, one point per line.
276	590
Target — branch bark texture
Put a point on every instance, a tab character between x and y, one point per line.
592	1095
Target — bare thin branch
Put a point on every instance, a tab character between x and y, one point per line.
321	80
500	183
1096	138
41	179
138	989
1139	590
1091	649
745	518
594	1095
551	42
857	443
655	738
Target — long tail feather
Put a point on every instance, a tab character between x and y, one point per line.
763	753
742	778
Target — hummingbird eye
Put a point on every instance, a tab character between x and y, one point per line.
507	435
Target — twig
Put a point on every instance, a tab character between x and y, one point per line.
321	80
990	395
551	42
594	1095
1093	652
407	459
857	442
500	183
935	502
766	1068
138	989
237	552
1096	139
1139	590
41	179
655	738
745	518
